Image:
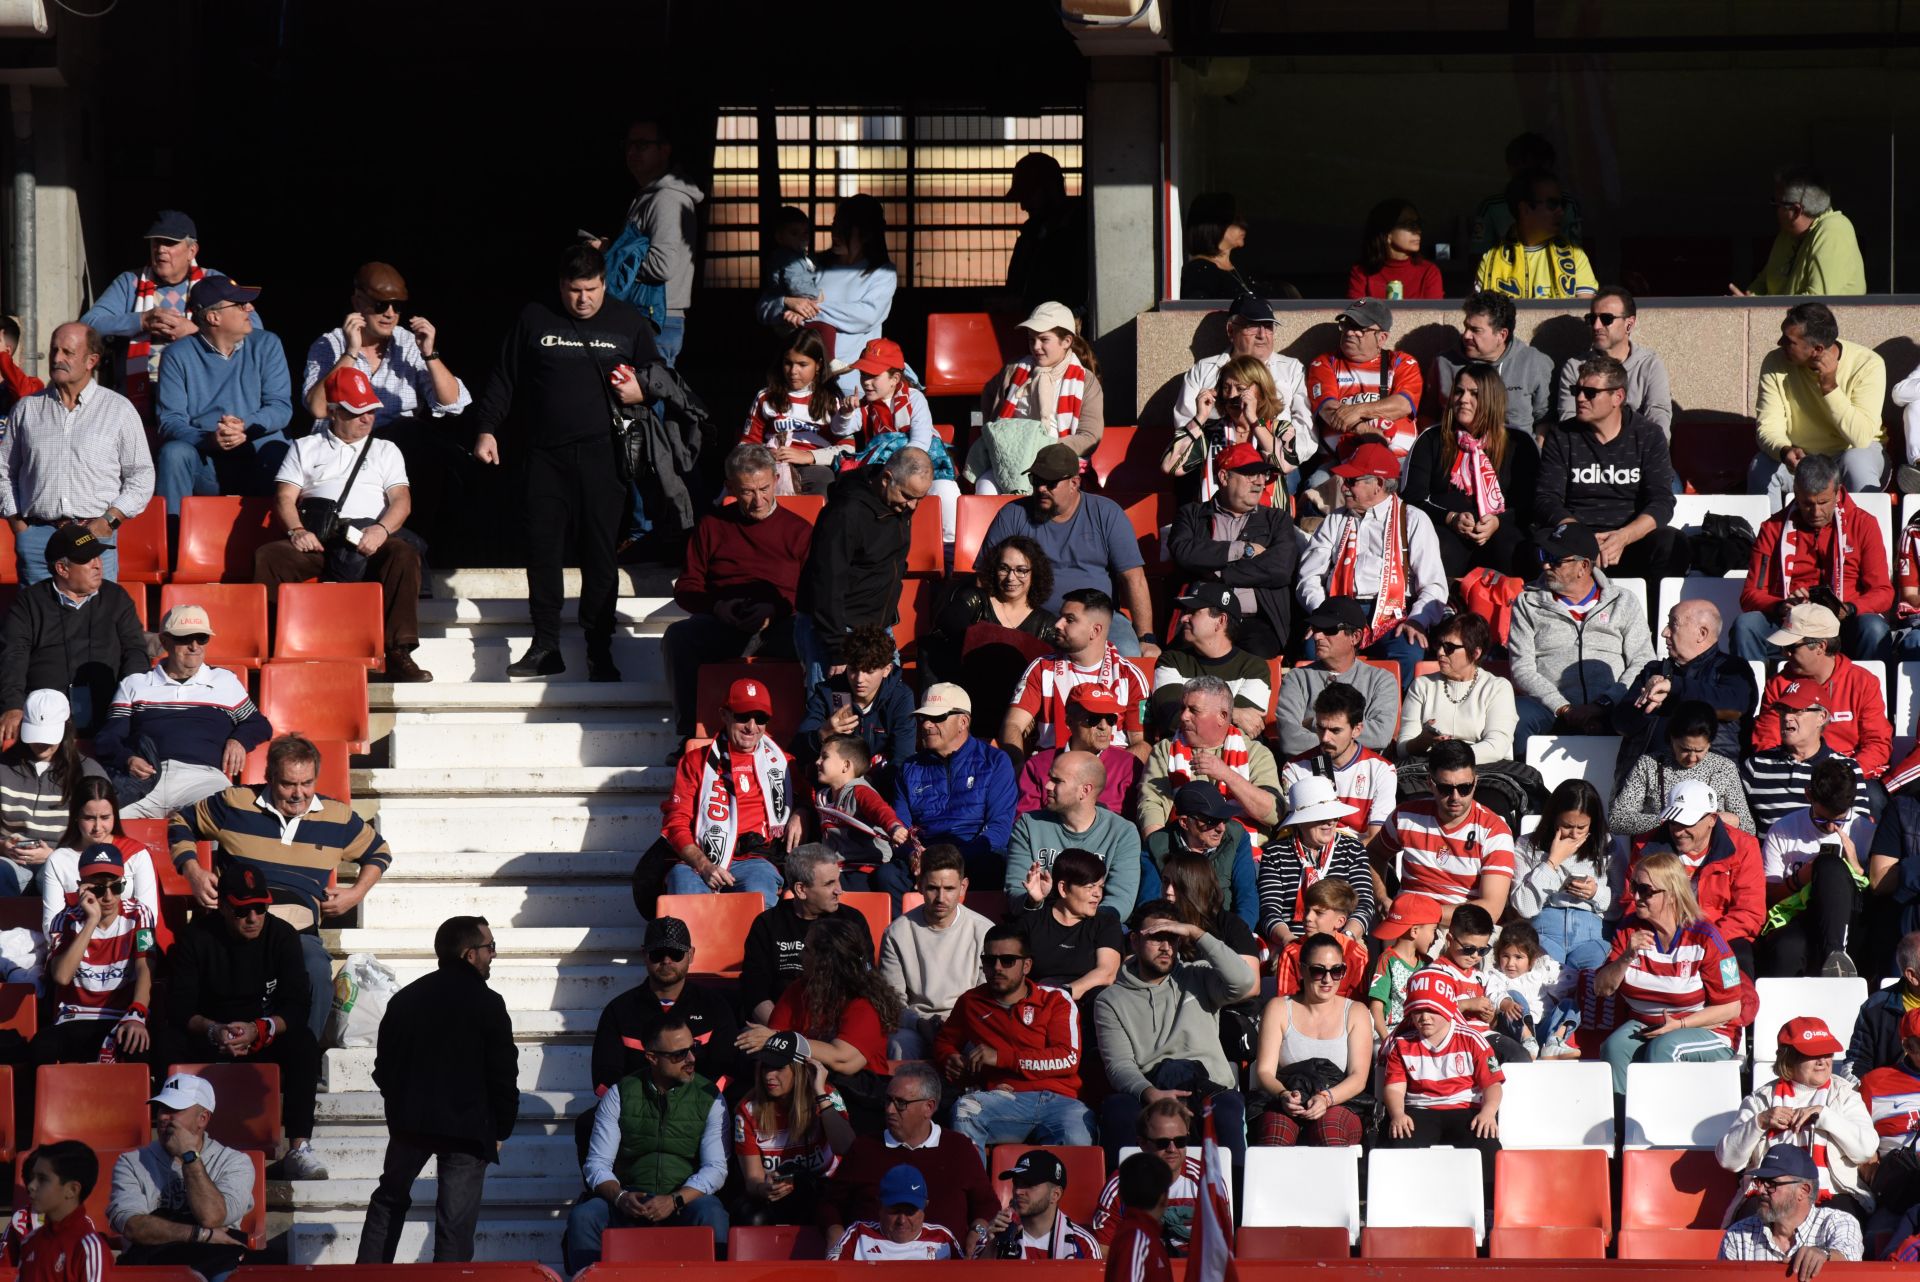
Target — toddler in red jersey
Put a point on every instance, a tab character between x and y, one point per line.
856	823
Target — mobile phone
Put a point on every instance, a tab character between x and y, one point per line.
787	1171
353	535
840	699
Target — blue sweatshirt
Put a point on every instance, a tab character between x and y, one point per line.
198	385
966	799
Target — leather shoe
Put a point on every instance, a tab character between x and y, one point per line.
538	661
600	668
401	668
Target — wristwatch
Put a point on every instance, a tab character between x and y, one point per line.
113	522
430	356
189	1157
679	1202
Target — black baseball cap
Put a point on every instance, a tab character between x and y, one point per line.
1571	539
1367	313
667	932
75	543
242	884
1036	1166
783	1048
1202	800
1337	613
1251	309
172	225
1211	594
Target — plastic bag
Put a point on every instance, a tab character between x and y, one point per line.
360	994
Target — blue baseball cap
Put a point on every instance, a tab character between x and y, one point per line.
1785	1160
903	1186
102	859
215	290
171	224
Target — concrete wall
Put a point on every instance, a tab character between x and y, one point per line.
1712	347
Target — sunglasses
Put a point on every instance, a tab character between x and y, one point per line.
1604	318
659	955
993	961
685	1053
1586	393
196	638
1469	950
1100	719
114	887
242	910
1327	972
1165	1143
1454	789
1829	825
754	718
931	720
378	307
1444	648
1644	891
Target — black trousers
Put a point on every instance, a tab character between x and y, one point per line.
456	1208
78	1041
207	1260
702	638
575	501
1661	555
295	1053
1799	947
1508	550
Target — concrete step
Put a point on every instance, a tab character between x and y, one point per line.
633	581
361	1154
570	868
547	1066
320	1238
542	825
471	656
364	1107
510	745
525	782
541	985
576	906
553	943
507	698
448	611
535	1189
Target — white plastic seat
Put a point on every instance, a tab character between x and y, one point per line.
1557	1105
1878	667
1760	675
1723	592
1636	586
1835	1000
1681	1105
1560	757
1303	1188
1691	510
1422	1188
1906	705
1880	508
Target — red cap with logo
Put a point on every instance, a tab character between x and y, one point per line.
1810	1036
879	356
1095	699
1798	696
1408	911
748	695
1370	459
349	389
1243	457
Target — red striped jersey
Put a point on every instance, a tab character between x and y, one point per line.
1468	985
796	427
811	1151
1693	970
1368	783
103	986
864	1241
1453	1074
1331	377
1892	1095
1045	685
1446	864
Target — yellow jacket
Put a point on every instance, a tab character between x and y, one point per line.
1824	261
1791	410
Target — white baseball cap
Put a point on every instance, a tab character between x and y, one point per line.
44	718
184	1090
1689	802
1051	316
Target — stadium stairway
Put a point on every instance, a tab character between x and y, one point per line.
526	803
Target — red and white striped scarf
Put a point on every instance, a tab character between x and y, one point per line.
1784	1097
1390	604
1235	755
1066	408
138	386
1835	571
877	418
1311	869
1475	476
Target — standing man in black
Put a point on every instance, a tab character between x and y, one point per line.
449	1074
240	993
561	370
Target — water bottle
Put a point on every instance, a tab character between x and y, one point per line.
1396	291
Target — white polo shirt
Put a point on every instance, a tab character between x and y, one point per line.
319	462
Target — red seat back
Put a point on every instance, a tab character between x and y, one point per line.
1673	1189
644	1246
963	353
970	523
249	1097
1713	451
104	1105
1669	1244
719	926
320	700
775	1242
1553	1188
1147	513
784	688
20	1010
218	537
916	616
238	612
141	542
9	557
1086	1175
1547	1244
1268	1243
1435	1243
927	548
876	906
343	621
1127	460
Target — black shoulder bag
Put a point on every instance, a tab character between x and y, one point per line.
629	436
321	517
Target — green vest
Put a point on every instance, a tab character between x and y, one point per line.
660	1134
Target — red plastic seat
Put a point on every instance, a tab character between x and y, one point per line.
804	505
20	1009
691	1244
917	597
775	1242
1553	1188
1268	1243
1127	460
9	562
963	353
970	524
927	547
345	621
320	700
1453	1243
1547	1244
336	770
141	542
784	688
719	926
991	904
238	612
9	1139
1147	513
104	1105
1669	1244
1673	1189
253	1225
218	537
20	912
876	906
1086	1175
249	1098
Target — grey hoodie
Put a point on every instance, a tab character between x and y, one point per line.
1527	373
1558	660
1141	1025
664	213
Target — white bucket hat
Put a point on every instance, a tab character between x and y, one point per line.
1313	801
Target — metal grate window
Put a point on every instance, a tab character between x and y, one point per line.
942	179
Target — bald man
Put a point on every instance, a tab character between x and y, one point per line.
1074	820
75	452
1695	668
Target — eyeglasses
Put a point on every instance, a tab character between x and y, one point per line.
1013	571
993	961
1777	1183
488	947
1469	950
1327	972
114	887
754	718
1164	1143
1454	789
905	1102
659	955
684	1053
1646	890
1586	393
1603	318
1354	327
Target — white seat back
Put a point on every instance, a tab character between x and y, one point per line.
1835	1000
1723	592
1636	586
1691	510
1418	1188
1880	508
1557	1104
1681	1105
1906	706
1303	1188
1560	757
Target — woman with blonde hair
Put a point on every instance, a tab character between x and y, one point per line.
1680	987
1476	479
1242	407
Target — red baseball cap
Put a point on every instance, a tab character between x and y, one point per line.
349	389
1244	457
1095	699
1810	1036
1371	459
748	695
879	356
1408	911
1798	696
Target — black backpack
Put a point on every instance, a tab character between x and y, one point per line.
1723	543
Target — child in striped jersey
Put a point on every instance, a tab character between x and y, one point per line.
796	417
1443	1082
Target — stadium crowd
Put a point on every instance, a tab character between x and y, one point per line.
1272	848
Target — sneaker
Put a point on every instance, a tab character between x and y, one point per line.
1839	965
537	662
1907	479
302	1163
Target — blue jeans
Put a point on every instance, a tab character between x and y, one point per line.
1123	636
1864	636
1688	1046
1533	717
751	875
181	470
1021	1117
1863	468
1908	645
320	981
592	1216
1572	937
30	555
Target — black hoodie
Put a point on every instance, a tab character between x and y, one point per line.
856	561
1604	486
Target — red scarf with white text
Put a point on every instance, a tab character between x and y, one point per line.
1390	605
